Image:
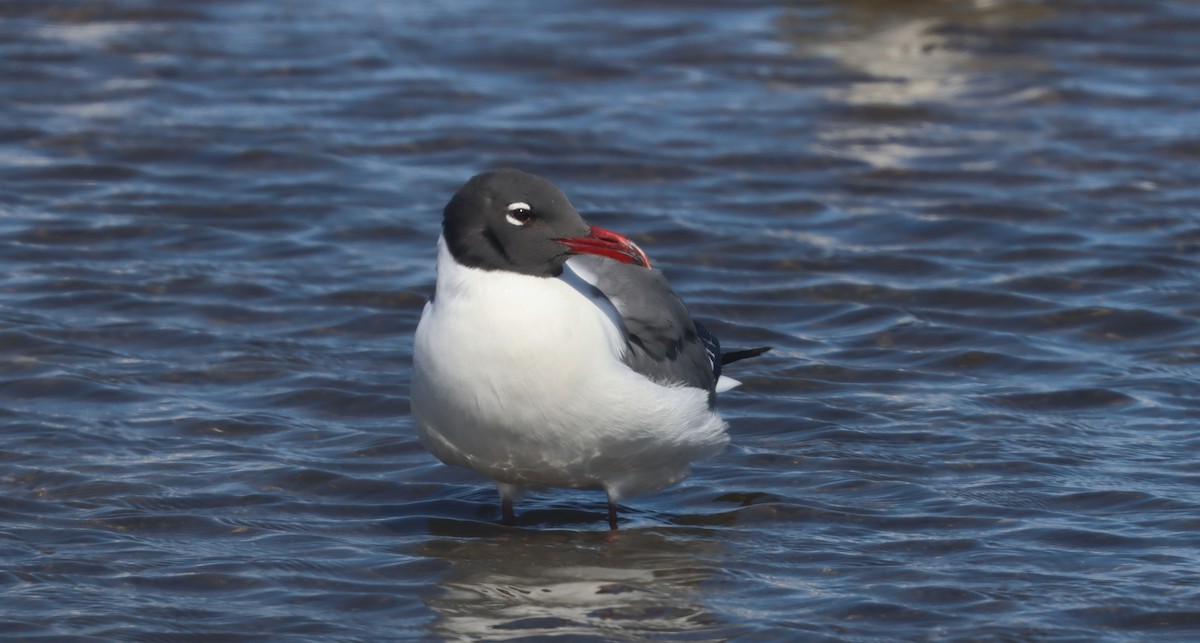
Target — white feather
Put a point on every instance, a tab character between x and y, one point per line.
726	383
519	378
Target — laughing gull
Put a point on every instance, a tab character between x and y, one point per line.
552	355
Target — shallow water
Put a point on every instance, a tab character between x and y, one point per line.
971	231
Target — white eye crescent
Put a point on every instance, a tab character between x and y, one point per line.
519	213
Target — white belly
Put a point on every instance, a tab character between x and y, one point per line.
519	378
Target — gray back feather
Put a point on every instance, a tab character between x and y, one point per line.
663	342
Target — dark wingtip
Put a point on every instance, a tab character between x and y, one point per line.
733	356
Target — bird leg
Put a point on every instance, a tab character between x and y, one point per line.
508	494
507	517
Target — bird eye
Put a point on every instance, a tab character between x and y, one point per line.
519	213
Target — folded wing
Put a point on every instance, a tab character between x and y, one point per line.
663	342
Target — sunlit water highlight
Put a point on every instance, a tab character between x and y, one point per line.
970	230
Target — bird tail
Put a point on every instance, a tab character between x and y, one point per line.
733	356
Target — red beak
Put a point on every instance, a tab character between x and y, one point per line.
607	244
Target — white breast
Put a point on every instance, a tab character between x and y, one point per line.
520	378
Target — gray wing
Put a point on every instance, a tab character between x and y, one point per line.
664	343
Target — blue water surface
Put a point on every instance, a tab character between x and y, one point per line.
970	230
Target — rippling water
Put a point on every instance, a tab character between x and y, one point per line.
970	229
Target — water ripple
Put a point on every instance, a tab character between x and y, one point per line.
969	231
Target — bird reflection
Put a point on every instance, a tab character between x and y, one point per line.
506	583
